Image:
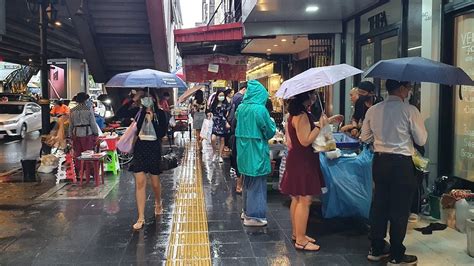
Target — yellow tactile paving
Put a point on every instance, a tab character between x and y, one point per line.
189	239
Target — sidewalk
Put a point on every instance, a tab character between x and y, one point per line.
98	231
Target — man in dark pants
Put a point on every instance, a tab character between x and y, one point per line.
393	126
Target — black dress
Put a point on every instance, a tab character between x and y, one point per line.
147	154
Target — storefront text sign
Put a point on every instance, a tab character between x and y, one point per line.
203	68
378	21
213	68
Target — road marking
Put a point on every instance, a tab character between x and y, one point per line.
189	238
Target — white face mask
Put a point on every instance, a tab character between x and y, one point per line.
221	98
147	101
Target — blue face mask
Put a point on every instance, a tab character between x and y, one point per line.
147	101
88	104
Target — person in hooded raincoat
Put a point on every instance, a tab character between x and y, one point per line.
254	128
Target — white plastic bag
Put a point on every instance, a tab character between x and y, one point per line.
325	140
147	132
206	129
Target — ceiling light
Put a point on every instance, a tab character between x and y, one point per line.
414	48
283	40
275	45
30	60
58	23
269	50
312	9
214	48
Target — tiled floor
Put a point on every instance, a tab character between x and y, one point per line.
98	231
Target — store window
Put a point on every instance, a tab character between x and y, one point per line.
415	17
464	99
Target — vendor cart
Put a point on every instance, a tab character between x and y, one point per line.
179	121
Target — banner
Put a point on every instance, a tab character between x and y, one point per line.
202	68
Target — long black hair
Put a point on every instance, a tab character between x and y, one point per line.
296	104
199	97
215	101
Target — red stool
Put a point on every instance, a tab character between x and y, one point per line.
97	163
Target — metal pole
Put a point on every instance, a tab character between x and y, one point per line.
45	118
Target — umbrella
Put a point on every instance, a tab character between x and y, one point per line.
315	78
146	78
188	93
419	69
179	73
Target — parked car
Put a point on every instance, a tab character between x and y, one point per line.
19	118
17	97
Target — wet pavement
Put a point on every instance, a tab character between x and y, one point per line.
98	231
13	150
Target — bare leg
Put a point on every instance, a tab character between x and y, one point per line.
198	139
301	222
140	193
238	188
214	144
156	185
294	203
221	146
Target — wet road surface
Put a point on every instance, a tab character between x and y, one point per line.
13	150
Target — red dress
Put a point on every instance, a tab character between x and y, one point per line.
303	176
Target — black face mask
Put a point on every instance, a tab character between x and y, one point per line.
365	98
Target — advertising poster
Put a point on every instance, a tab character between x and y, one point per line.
213	67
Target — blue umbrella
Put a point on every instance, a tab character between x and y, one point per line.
418	69
146	78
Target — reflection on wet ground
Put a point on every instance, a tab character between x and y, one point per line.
98	231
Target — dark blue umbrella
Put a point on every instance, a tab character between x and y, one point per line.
146	78
418	69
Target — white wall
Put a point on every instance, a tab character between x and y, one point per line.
431	42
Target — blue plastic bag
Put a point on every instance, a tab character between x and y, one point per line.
349	185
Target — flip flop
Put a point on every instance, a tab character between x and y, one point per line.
310	239
303	247
138	225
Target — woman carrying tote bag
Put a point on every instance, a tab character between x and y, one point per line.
151	128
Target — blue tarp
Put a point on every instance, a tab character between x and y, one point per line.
349	185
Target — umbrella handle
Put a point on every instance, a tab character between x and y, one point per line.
320	104
460	93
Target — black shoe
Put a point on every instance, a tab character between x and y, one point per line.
377	255
405	260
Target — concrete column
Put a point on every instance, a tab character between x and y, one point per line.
431	42
336	90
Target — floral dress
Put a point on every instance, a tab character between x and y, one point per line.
220	119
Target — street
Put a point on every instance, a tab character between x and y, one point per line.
13	150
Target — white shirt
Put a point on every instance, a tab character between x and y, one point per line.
393	126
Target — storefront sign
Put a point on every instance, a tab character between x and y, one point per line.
464	101
378	21
203	68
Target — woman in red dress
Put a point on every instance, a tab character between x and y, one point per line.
302	178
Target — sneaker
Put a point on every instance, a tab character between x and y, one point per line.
243	216
406	260
254	222
376	256
221	160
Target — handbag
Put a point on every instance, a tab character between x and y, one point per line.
168	161
127	140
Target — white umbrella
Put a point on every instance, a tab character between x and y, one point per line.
315	78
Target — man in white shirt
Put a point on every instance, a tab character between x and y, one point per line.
393	126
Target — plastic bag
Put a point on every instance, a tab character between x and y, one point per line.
325	140
147	132
172	122
349	185
206	129
420	162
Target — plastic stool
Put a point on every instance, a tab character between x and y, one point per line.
112	163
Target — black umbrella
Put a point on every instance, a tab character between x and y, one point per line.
418	69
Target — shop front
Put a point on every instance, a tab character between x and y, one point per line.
457	105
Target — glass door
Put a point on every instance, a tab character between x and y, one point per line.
389	50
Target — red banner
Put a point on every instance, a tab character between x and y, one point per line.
196	68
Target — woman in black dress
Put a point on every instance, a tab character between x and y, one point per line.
147	156
220	110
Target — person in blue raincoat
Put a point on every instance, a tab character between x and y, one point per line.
254	128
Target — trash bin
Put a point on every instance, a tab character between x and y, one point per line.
29	170
470	236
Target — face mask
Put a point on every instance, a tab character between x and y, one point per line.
147	101
221	98
88	104
364	98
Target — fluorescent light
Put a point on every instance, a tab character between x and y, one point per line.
283	40
275	45
214	48
269	50
414	48
30	60
58	23
312	8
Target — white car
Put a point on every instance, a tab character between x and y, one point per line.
19	118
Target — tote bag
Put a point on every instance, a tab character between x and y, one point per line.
127	140
206	129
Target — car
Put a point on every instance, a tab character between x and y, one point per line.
17	97
19	118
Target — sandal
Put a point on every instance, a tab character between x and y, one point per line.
304	247
139	225
158	209
238	190
310	239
